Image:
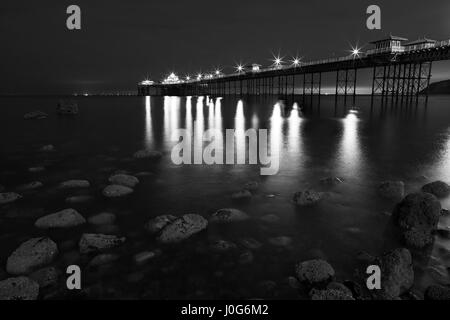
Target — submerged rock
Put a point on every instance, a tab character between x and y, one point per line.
45	277
66	218
102	219
241	195
392	190
9	197
20	288
47	148
251	243
115	190
155	225
147	154
31	255
251	186
437	292
102	259
143	257
281	241
182	228
438	188
246	257
67	108
30	186
331	181
91	242
36	169
228	215
307	198
75	184
35	115
124	180
79	199
222	245
315	272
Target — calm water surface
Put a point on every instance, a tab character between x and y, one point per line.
362	143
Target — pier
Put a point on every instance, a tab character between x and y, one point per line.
401	70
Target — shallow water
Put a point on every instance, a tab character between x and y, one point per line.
363	143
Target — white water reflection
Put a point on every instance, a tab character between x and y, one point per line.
199	129
276	126
294	142
350	147
443	170
148	124
171	116
239	126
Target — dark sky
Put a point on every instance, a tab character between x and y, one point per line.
121	42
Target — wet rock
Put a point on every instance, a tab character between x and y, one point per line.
293	282
270	218
20	288
144	257
340	287
102	259
67	108
91	242
307	198
79	199
47	148
36	169
437	292
241	195
66	218
228	215
444	212
182	228
314	272
147	154
393	190
281	241
438	188
31	255
222	245
251	186
9	197
102	219
75	184
124	180
114	191
246	257
30	186
329	294
35	115
251	243
397	275
45	277
417	215
331	181
155	225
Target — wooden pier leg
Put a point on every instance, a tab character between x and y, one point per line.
354	85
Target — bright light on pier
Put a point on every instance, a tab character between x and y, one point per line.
295	62
188	78
172	78
356	52
277	61
240	68
147	82
199	76
218	72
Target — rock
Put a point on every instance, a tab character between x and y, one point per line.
437	292
281	241
270	218
315	272
251	186
331	181
155	225
417	238
392	190
150	154
102	259
31	255
91	242
222	245
246	257
115	190
340	287
36	169
30	186
241	195
329	294
397	275
438	188
182	228
143	257
45	277
67	108
251	243
293	282
20	288
228	215
47	148
9	197
79	199
37	114
307	198
102	219
66	218
75	184
124	180
444	212
417	215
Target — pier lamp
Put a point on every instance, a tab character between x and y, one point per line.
277	61
355	52
199	76
295	62
218	72
188	78
239	68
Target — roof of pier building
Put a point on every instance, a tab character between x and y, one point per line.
420	41
389	38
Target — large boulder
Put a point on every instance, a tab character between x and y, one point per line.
307	198
35	115
417	216
115	190
75	184
228	215
66	218
315	272
124	180
182	228
155	225
147	154
20	288
67	108
30	255
393	190
91	242
9	197
45	277
438	188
